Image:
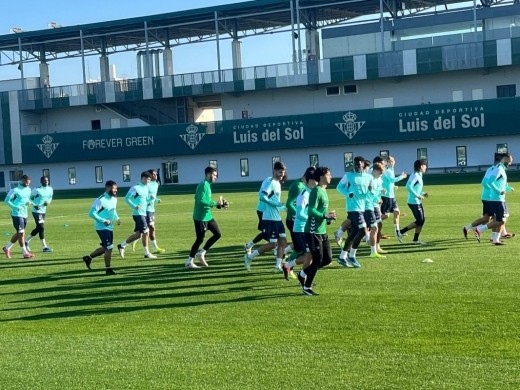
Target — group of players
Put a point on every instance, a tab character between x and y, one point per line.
17	200
370	198
369	190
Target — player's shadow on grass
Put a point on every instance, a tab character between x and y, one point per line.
98	305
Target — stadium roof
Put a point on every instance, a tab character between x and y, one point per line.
240	20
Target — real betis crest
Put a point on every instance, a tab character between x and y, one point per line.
349	126
193	137
48	147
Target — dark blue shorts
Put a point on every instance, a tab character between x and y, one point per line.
107	238
300	242
140	223
499	210
487	208
389	205
273	230
19	224
39	218
357	219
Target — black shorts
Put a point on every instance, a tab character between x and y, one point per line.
140	223
487	208
107	238
260	215
39	218
357	219
289	223
19	223
300	242
370	218
499	210
418	213
389	205
273	230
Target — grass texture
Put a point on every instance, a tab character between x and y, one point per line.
396	323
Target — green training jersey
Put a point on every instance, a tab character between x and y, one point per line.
295	189
203	202
318	208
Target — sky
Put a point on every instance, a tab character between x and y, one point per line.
31	15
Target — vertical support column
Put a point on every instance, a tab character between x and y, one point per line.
218	43
104	64
236	51
82	57
44	69
139	59
293	33
382	26
157	65
298	23
20	65
167	56
168	61
312	39
147	54
475	20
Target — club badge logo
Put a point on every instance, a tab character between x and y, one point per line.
193	138
48	147
349	126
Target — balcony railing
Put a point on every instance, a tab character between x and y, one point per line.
460	51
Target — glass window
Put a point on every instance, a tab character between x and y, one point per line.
384	154
276	159
96	124
72	176
213	164
15	175
422	154
506	91
314	160
462	158
47	173
501	148
99	174
347	89
126	173
348	159
333	91
171	172
244	167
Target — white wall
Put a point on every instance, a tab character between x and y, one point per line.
441	153
410	90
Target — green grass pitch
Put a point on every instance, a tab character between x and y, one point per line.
396	323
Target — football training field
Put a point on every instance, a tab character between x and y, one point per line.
396	323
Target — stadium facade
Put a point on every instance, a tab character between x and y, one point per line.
415	79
